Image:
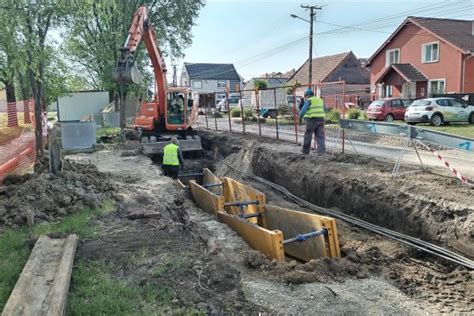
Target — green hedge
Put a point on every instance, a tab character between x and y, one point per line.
333	116
235	112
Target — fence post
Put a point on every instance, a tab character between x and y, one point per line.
276	111
343	112
242	113
228	110
206	106
215	116
12	115
295	114
258	112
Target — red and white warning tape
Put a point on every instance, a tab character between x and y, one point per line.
455	173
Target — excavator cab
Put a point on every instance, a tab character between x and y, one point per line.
176	108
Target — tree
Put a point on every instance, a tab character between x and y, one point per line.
260	84
35	18
98	29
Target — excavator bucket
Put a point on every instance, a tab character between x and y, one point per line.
127	73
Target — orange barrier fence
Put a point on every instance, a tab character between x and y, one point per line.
17	139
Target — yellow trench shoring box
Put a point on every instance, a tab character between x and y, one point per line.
265	227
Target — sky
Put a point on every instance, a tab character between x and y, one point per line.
259	36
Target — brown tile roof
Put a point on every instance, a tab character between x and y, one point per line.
457	32
322	67
409	72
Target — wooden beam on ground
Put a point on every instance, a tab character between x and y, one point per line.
211	203
236	191
269	242
292	223
44	282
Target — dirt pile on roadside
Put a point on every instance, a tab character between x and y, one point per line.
44	197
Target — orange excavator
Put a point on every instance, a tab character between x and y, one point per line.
172	111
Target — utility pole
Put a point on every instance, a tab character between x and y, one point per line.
312	16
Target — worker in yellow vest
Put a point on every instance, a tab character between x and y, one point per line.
172	159
314	114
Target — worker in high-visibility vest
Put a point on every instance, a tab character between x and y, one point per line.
314	114
172	159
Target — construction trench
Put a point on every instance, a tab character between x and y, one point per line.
158	235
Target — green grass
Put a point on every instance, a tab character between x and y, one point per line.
14	253
171	264
14	250
96	292
281	121
77	223
459	129
465	130
108	131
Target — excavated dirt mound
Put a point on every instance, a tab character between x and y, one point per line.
44	197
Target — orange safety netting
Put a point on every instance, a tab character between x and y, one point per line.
17	138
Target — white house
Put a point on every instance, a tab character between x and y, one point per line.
205	78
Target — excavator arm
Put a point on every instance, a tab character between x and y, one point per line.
126	71
155	118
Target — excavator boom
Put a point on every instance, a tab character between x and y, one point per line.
171	113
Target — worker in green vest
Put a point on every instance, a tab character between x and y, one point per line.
172	159
314	114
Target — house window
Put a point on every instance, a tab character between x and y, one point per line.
430	52
221	84
388	91
437	86
392	56
197	84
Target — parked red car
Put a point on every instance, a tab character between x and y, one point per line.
387	110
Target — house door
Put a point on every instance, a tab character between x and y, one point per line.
409	90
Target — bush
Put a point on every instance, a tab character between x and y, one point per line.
235	112
260	84
354	114
285	110
248	113
333	116
363	116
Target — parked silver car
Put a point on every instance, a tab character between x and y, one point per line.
438	111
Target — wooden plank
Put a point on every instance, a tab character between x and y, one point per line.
43	284
270	243
292	223
236	191
208	178
208	201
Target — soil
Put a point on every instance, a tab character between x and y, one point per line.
158	236
362	187
41	196
424	205
151	240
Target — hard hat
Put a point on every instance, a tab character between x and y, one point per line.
308	92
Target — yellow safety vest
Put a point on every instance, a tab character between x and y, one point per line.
170	155
316	108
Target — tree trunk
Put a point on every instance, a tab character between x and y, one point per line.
10	91
24	88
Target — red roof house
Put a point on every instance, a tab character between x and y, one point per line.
424	56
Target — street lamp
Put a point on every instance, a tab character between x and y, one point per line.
310	21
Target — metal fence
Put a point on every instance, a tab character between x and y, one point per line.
395	142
